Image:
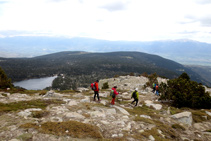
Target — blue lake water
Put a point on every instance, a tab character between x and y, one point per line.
35	84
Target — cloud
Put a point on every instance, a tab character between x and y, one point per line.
203	1
3	2
189	32
115	6
56	0
12	33
204	21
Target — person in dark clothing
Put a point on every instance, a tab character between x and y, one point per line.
153	86
135	95
96	90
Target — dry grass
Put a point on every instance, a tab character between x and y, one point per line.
144	110
21	105
146	120
199	116
23	91
208	130
179	127
25	137
40	114
174	110
69	128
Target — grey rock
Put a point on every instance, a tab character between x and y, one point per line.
151	138
123	111
184	117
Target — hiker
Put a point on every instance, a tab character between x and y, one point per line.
114	96
135	95
157	87
153	86
96	90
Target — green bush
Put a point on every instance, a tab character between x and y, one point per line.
185	93
105	85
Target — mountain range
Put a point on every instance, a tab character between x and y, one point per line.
183	51
82	68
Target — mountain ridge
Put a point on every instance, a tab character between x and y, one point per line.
93	66
185	52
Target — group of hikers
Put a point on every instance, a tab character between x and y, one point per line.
114	93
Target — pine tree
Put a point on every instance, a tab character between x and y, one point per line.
4	81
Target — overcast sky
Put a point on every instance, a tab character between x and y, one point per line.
132	20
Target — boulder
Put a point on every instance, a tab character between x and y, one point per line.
155	106
86	99
72	103
208	113
111	111
103	94
151	138
81	89
145	116
123	111
74	115
184	117
28	112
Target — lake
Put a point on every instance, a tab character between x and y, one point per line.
35	84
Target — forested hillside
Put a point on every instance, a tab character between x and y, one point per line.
81	68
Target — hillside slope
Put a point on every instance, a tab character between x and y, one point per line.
71	115
93	65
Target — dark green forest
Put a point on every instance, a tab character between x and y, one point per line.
76	69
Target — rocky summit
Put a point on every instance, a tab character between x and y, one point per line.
73	115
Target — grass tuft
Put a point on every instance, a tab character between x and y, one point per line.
40	114
21	105
69	128
198	116
177	126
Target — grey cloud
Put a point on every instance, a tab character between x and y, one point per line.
203	1
56	0
204	21
12	32
188	32
3	2
81	1
116	6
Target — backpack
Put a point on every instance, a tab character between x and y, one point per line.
93	86
134	95
112	93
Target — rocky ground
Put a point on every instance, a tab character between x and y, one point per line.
53	115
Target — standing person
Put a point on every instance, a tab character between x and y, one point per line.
96	90
114	96
153	86
135	95
157	87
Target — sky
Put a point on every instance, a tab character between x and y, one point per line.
130	20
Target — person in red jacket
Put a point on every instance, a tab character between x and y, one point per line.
96	90
115	94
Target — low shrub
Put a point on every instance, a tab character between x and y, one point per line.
185	93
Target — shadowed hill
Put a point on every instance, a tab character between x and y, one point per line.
98	65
